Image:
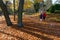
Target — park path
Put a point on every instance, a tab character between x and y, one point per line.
33	30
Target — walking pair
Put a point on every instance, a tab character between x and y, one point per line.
42	16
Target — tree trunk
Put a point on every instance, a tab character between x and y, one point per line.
6	13
20	10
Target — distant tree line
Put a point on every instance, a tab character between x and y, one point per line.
54	8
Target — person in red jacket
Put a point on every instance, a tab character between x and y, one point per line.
44	16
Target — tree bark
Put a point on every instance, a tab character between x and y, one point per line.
5	12
20	11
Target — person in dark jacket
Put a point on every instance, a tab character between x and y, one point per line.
41	16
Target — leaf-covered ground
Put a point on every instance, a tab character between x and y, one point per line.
33	29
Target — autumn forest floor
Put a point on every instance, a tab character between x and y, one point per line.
33	29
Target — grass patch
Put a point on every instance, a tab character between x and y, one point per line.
48	13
